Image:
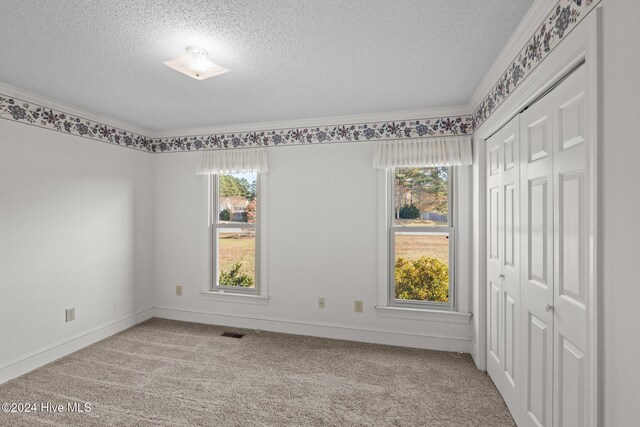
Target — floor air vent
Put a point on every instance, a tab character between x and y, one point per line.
232	335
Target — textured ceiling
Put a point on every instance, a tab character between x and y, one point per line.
289	59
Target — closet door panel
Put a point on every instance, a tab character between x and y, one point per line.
510	209
536	270
538	407
494	322
511	203
571	178
494	256
510	342
570	364
503	260
538	232
571	245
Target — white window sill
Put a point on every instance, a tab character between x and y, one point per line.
235	297
424	314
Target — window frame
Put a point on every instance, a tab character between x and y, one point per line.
393	228
215	225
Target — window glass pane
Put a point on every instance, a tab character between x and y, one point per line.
422	266
421	196
237	257
237	197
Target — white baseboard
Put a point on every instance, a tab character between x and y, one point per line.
47	355
317	329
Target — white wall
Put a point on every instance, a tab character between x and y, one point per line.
620	198
76	230
322	231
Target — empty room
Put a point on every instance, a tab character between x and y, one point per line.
319	213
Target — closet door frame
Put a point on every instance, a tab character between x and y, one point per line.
581	45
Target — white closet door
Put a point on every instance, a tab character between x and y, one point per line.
536	151
494	257
571	216
510	208
503	249
555	264
538	258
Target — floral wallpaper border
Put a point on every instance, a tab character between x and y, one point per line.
26	112
444	126
37	115
564	17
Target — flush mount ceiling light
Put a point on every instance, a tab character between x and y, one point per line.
195	64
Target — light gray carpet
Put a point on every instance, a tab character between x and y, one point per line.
170	373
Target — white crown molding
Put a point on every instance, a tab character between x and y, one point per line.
527	27
426	113
45	101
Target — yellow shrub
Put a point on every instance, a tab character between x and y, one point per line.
423	279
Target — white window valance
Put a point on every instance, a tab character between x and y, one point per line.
233	161
425	152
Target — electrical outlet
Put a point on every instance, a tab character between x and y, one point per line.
70	314
358	306
179	290
321	303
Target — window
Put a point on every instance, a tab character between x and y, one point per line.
421	237
235	232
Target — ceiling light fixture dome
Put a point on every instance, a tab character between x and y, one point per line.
195	64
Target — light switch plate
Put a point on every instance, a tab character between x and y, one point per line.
179	290
70	314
